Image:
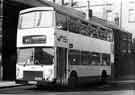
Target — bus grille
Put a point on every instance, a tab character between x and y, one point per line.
32	75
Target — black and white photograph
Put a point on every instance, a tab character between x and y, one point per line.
67	47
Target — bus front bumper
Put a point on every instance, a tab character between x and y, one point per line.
33	82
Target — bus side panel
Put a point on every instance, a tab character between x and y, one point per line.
90	71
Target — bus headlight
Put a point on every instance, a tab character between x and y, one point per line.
19	73
48	74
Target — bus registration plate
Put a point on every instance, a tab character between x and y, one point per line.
32	82
38	78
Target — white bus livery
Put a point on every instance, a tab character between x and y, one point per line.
56	46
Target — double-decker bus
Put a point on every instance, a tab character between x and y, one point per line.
56	46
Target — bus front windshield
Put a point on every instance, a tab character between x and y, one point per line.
36	19
37	56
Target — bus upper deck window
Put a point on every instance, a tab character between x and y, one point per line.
36	19
45	19
61	21
27	20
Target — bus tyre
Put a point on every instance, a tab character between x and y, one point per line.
103	76
73	80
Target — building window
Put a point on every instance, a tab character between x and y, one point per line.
131	15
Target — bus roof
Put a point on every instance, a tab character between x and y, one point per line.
36	9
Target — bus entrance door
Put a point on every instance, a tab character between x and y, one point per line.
61	65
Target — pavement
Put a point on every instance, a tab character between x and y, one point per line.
8	84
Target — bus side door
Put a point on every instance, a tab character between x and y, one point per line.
61	64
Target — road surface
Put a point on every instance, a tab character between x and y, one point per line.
89	89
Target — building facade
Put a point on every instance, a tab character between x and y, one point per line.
121	12
1	19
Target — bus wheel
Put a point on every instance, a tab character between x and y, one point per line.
103	76
73	80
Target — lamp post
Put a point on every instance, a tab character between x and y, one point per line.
121	5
